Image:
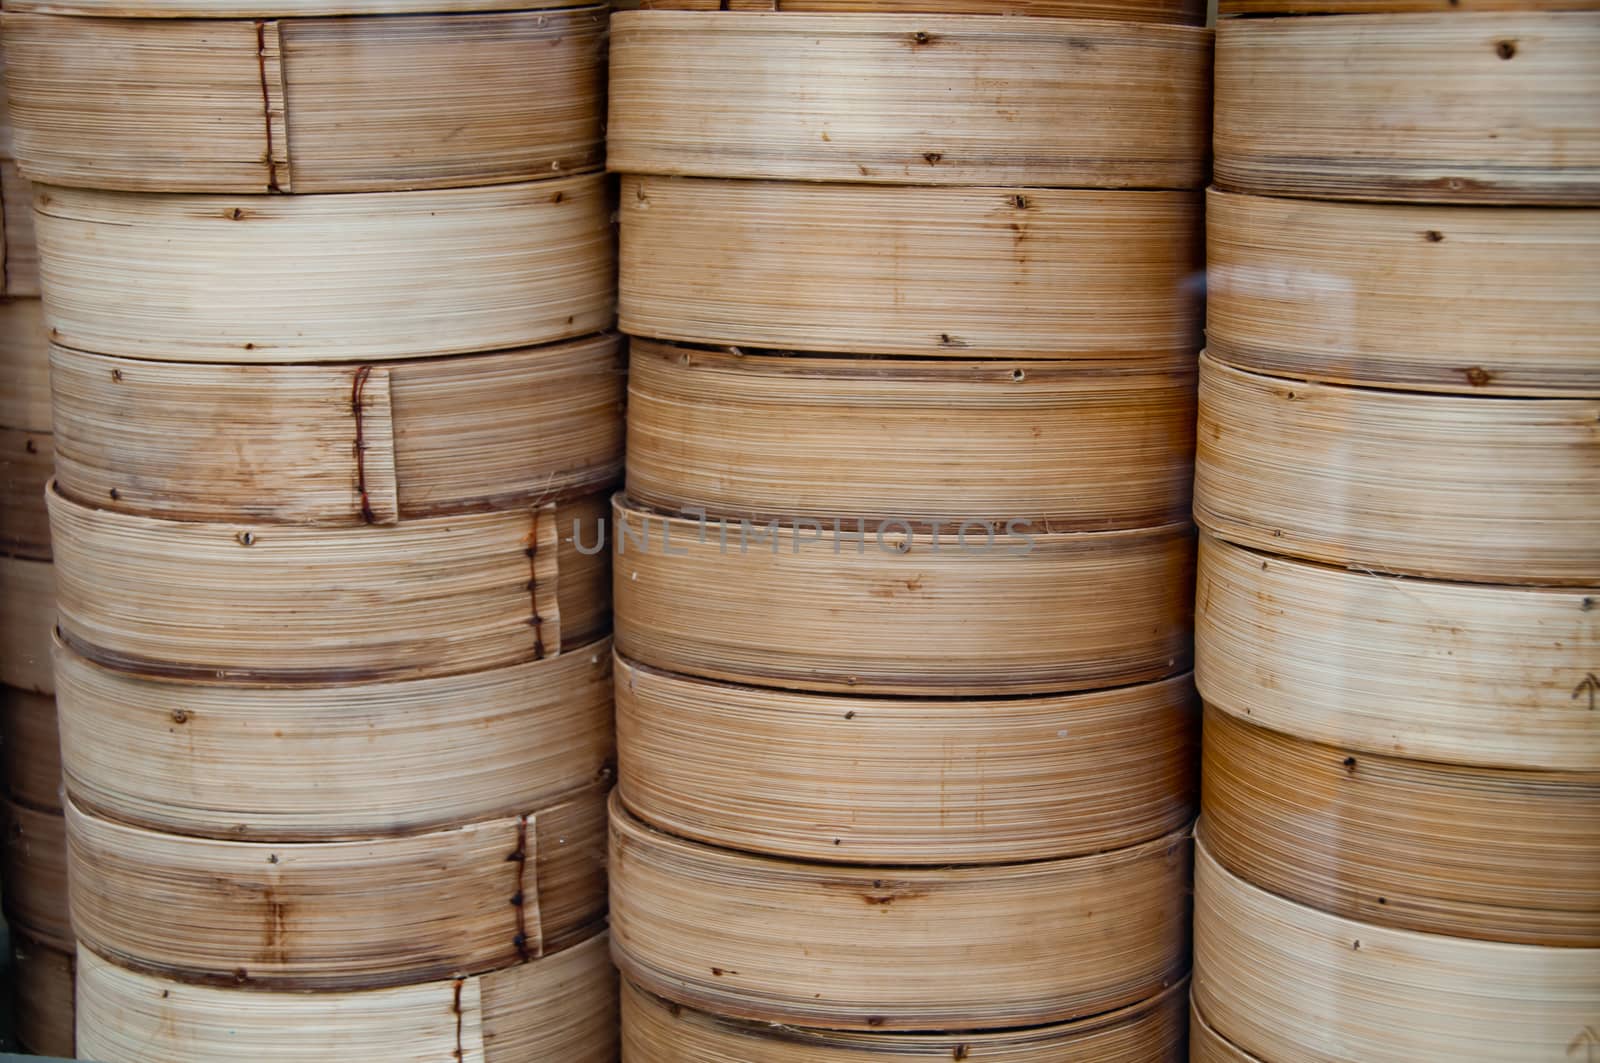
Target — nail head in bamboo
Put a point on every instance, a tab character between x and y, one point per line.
27	460
950	272
31	748
24	366
1460	107
1288	982
27	616
864	948
905	781
337	278
44	995
1179	12
1394	294
1070	446
35	870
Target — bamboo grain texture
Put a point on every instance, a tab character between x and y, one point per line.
43	1000
266	8
24	366
35	870
27	460
19	250
27	616
1178	12
1377	7
30	749
1206	1045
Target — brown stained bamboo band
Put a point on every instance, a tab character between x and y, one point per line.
27	616
30	750
281	603
307	105
906	781
35	870
24	366
952	272
1473	488
333	444
810	608
1288	982
44	977
1394	294
1069	446
341	278
1476	107
27	460
19	251
561	1007
865	948
1375	7
1182	12
1206	1045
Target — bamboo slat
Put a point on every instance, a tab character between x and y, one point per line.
906	781
266	8
27	460
31	748
1491	490
342	278
1475	107
956	272
307	105
311	605
35	870
1374	7
1184	12
1071	447
1458	673
1206	1045
44	990
19	250
27	616
811	608
24	366
306	444
1287	982
1493	300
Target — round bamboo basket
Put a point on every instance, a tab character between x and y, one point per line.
1476	107
35	870
343	278
308	444
19	250
1183	12
1287	982
1458	673
906	781
27	616
24	366
43	976
31	748
1492	490
315	605
1069	447
953	272
1394	294
26	462
824	97
562	1007
864	948
1375	7
1206	1045
811	608
307	105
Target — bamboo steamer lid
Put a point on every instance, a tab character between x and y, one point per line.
341	278
1072	447
1039	273
284	603
26	462
1394	294
31	748
43	977
24	366
1476	107
561	1007
906	781
338	444
1373	7
1288	982
1185	12
27	616
35	870
1206	1045
1492	490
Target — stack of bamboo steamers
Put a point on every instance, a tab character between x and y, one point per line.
903	566
335	427
1399	486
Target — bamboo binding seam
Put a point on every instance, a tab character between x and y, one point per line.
1178	12
35	870
26	462
24	366
31	751
27	616
44	995
1206	1045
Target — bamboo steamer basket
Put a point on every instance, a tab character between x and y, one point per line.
335	444
906	781
562	1007
807	608
24	366
1206	1045
1288	982
19	251
35	869
339	278
823	97
1496	677
952	272
1393	294
30	747
27	616
43	977
1182	12
1373	7
26	462
1475	107
1493	490
283	603
1070	447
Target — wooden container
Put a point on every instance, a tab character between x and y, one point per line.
1183	12
1206	1045
883	612
1394	294
333	444
285	603
1069	447
1492	490
27	616
1288	982
19	251
43	976
562	1007
26	462
906	781
951	272
35	870
264	8
1372	7
30	750
24	366
1475	107
341	278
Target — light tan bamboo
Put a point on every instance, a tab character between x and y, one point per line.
1071	447
35	870
906	781
1475	107
1373	7
1188	12
1206	1045
356	277
24	366
27	615
44	990
1287	982
26	461
31	750
1458	673
265	8
1395	294
953	272
864	948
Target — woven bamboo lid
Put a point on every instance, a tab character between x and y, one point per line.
1186	12
27	460
27	616
24	366
44	995
33	862
30	751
